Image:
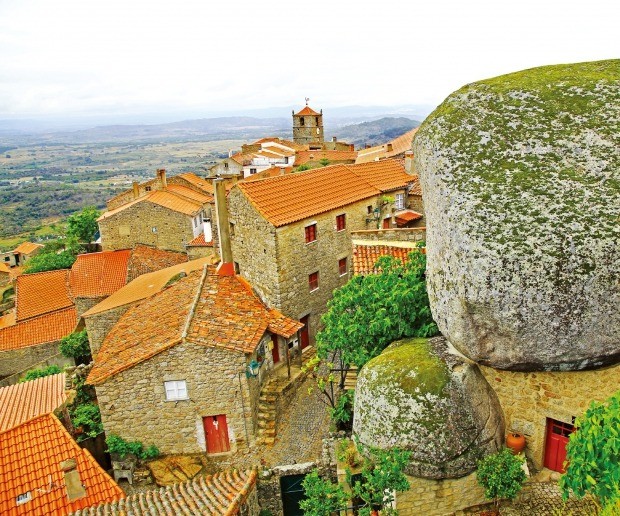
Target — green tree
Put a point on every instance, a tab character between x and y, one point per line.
83	225
323	497
49	262
76	346
501	474
302	167
33	374
324	162
87	417
593	454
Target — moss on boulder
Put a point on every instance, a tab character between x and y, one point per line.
418	396
521	182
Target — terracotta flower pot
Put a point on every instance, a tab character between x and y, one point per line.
516	442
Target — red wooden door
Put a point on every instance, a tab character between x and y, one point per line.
216	433
275	352
304	333
555	447
386	223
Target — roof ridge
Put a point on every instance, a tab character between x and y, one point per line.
192	310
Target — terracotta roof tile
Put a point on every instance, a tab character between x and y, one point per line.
400	145
145	286
30	457
307	110
27	247
332	155
198	181
99	274
42	292
242	158
365	256
415	188
221	494
45	328
272	171
8	319
175	202
203	308
404	217
5	268
26	400
287	143
199	241
292	197
145	259
190	194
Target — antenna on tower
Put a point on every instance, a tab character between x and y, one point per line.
307	99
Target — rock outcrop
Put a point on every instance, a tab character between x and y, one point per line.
521	183
420	397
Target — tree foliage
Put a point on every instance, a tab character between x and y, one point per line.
88	417
49	262
83	225
323	497
501	474
370	312
33	374
593	454
76	346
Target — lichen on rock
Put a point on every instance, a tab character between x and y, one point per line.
521	182
419	397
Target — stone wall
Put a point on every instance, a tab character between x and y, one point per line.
14	362
128	195
269	490
220	169
415	203
528	399
195	252
134	225
83	304
99	325
391	235
439	497
133	403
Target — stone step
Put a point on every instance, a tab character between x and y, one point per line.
267	416
268	398
269	441
265	425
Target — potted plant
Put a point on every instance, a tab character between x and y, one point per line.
502	476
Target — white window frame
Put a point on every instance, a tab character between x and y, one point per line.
399	201
176	390
23	498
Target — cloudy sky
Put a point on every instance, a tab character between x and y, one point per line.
68	57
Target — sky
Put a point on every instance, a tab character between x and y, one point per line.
69	58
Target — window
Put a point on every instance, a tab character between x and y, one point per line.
313	281
399	201
154	229
231	226
310	233
237	269
252	171
316	119
147	188
225	164
302	122
341	222
23	498
342	266
369	209
176	390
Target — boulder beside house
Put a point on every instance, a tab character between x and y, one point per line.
183	369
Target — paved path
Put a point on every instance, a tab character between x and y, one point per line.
545	499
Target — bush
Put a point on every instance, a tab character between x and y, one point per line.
501	475
33	374
76	346
121	447
88	417
49	262
342	413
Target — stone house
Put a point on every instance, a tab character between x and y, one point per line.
24	251
5	275
183	369
314	158
163	213
291	234
395	149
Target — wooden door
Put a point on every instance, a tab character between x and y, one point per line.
386	223
216	433
304	333
555	446
275	352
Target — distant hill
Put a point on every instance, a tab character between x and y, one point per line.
374	132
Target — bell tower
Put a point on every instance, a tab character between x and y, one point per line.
308	126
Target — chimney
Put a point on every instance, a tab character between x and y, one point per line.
226	267
334	139
409	162
136	189
282	171
161	174
73	483
390	147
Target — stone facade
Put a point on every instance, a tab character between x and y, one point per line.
528	399
83	304
133	402
17	361
135	225
99	325
278	261
308	129
439	497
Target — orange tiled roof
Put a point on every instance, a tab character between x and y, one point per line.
203	308
365	256
45	328
332	155
145	286
406	216
386	175
190	194
175	202
4	268
307	110
400	145
145	259
292	197
8	319
196	180
286	143
199	241
42	292
221	494
30	457
272	171
99	274
27	247
415	188
242	159
282	325
16	271
23	401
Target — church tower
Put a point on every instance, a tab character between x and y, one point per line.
308	127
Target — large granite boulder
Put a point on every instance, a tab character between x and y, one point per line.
521	183
420	397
